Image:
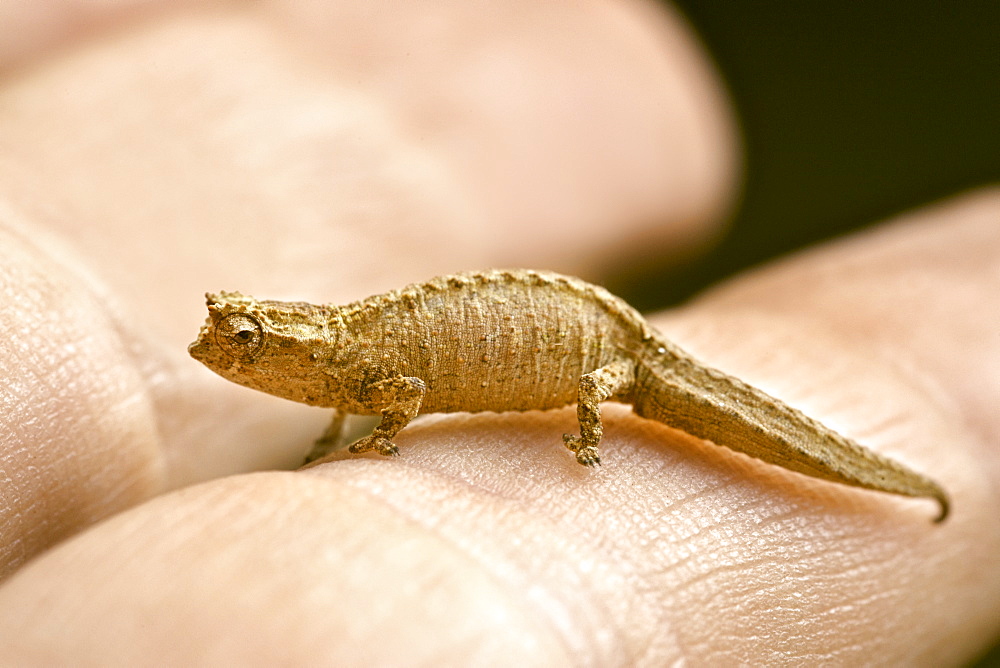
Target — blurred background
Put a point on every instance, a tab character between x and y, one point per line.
851	113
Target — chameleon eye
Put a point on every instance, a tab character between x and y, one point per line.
240	335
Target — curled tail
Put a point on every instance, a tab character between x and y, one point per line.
711	405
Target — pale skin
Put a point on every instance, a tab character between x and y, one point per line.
673	550
515	340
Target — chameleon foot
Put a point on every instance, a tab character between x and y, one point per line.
585	454
382	446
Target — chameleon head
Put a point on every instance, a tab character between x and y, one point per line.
269	346
234	332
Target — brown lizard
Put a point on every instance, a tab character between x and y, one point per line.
516	340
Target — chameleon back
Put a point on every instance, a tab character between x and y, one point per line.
491	341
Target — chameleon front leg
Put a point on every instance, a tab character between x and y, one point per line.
332	439
402	397
614	379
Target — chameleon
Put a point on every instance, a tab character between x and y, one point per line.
516	340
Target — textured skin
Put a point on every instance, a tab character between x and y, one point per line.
516	340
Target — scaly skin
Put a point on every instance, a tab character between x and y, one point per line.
516	340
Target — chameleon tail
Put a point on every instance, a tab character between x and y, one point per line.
713	406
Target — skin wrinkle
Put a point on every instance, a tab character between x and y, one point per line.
558	612
718	473
861	542
620	554
838	548
71	391
539	496
144	356
173	550
736	596
705	531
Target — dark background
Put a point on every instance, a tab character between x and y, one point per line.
851	112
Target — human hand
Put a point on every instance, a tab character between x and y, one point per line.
484	540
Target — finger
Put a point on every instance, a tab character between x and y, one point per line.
578	132
674	550
78	436
222	147
264	159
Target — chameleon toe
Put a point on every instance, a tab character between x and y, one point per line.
588	456
382	446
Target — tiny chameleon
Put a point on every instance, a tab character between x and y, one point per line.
516	340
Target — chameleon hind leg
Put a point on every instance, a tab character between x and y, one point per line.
332	439
401	397
616	378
